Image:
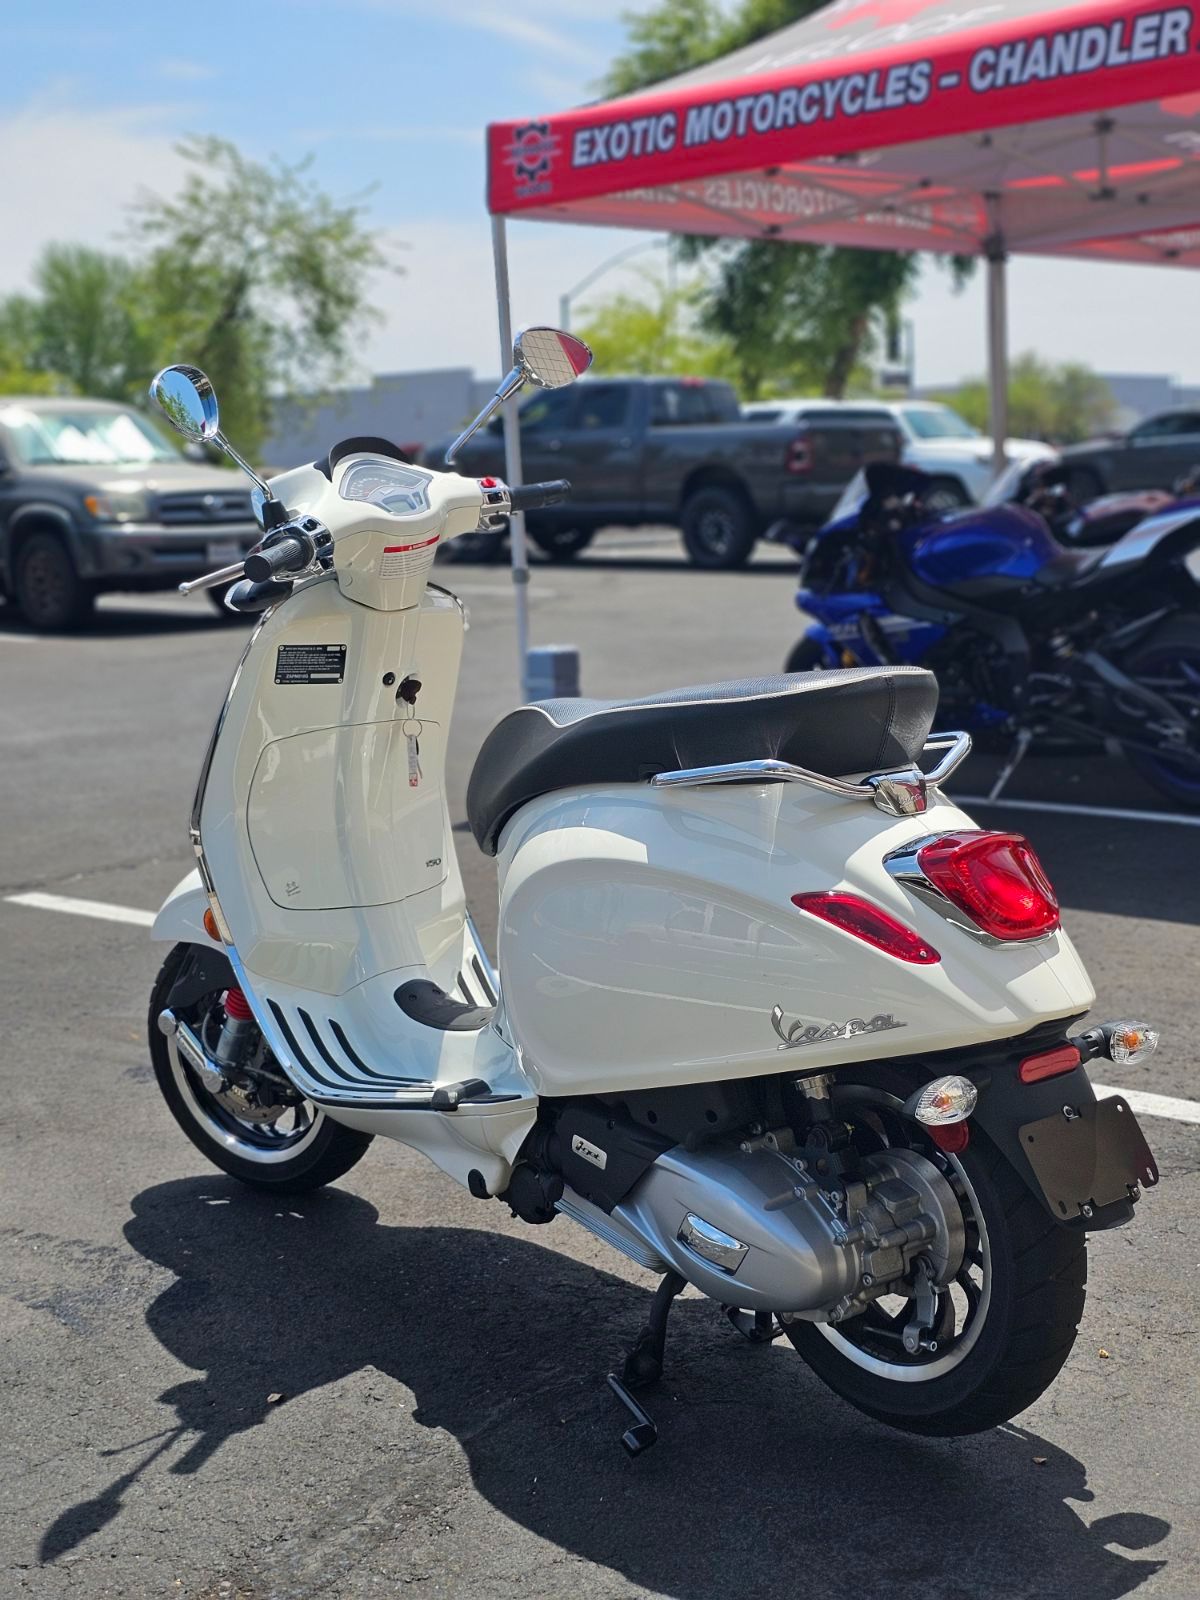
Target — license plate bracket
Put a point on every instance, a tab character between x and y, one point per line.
1090	1159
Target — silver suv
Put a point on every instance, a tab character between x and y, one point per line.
94	498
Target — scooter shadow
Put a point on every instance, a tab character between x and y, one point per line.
760	1474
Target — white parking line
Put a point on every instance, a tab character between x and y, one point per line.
83	908
1150	1105
1183	819
1155	1105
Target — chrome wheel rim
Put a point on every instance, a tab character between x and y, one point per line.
961	1318
716	530
265	1143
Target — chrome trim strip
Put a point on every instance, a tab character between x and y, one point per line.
902	792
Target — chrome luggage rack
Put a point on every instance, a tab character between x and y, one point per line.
902	792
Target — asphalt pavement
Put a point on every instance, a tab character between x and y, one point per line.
389	1384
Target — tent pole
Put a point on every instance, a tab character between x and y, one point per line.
997	329
512	457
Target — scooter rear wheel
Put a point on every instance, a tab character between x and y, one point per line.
1017	1313
301	1149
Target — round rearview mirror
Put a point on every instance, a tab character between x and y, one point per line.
550	358
188	401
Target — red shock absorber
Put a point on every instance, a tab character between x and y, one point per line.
237	1007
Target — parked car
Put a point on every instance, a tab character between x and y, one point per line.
676	451
93	498
936	440
1153	455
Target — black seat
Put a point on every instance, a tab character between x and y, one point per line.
860	719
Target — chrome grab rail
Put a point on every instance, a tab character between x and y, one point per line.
902	792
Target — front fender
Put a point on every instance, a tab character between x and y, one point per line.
181	917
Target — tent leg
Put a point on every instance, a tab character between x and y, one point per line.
997	316
512	457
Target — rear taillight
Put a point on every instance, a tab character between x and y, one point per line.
1049	1063
799	457
996	879
869	923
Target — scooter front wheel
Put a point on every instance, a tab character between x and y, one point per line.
287	1147
1004	1327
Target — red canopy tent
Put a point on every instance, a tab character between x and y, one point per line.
957	126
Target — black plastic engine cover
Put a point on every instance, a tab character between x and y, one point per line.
601	1153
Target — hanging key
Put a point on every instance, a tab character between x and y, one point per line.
411	729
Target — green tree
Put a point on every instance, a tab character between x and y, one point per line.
655	334
785	308
1062	403
251	271
256	275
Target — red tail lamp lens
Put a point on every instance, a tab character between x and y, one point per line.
1049	1063
996	879
869	923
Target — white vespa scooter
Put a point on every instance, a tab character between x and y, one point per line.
774	1018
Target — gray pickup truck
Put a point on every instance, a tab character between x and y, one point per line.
676	451
93	497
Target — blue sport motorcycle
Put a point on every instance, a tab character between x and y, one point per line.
1031	639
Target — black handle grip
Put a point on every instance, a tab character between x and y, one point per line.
530	496
289	554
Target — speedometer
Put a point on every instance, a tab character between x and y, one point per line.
397	490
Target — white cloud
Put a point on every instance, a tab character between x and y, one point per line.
69	174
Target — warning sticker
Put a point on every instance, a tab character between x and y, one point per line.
310	663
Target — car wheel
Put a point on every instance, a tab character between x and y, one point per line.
561	544
718	529
946	494
51	595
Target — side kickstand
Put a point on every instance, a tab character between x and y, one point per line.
644	1365
1016	756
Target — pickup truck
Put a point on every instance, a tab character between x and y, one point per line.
677	451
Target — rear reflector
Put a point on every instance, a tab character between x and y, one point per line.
869	923
1049	1063
996	879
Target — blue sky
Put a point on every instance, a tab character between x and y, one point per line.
393	96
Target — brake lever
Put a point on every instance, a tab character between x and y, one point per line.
214	580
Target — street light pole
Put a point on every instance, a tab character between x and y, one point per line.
564	300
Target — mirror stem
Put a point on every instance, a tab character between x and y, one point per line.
223	443
509	385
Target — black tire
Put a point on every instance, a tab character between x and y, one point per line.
49	592
326	1153
1083	485
1038	1272
561	544
806	655
946	494
718	527
1164	656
